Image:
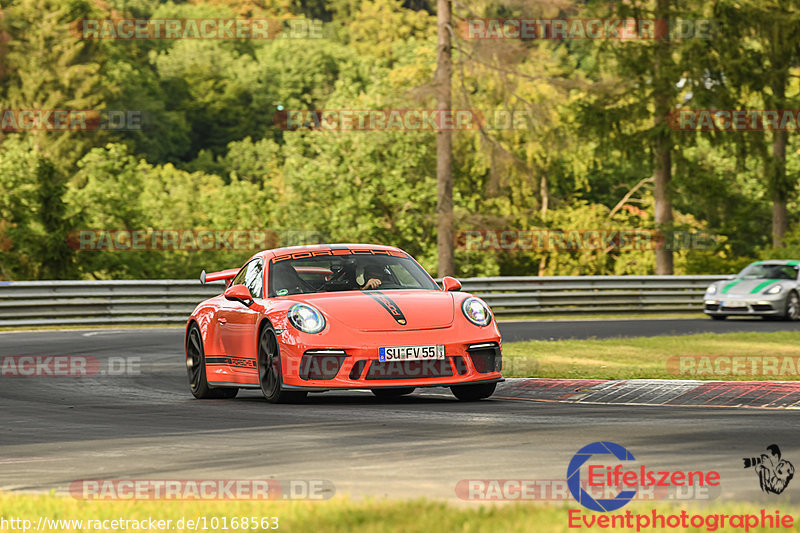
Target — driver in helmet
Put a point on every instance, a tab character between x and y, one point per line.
373	276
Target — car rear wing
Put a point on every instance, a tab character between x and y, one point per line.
227	275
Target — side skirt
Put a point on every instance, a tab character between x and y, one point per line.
214	384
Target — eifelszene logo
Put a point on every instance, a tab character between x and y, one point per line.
574	476
774	473
613	478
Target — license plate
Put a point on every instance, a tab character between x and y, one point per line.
411	353
735	304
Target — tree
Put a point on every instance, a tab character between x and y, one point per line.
758	48
114	190
444	144
628	112
663	81
33	215
48	68
18	205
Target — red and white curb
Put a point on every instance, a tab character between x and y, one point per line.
667	392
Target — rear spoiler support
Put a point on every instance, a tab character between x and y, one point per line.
226	275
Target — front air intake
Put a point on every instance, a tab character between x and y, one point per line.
486	357
321	364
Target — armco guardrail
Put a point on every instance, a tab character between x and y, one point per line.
47	303
591	294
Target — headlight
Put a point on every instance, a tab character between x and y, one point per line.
775	290
306	318
476	311
711	290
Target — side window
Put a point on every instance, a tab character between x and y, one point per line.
239	279
254	278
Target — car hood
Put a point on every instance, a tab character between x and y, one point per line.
741	287
389	310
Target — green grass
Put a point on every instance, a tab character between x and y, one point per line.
342	514
642	357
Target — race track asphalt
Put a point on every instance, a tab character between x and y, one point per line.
610	328
146	425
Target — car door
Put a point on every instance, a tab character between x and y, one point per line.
237	321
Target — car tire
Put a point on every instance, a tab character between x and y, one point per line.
196	369
792	307
718	317
472	393
270	374
385	394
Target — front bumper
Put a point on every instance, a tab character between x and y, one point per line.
416	386
746	305
358	367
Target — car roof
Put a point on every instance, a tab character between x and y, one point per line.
789	262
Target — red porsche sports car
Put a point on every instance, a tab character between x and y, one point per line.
345	316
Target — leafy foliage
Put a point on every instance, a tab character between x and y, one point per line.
213	152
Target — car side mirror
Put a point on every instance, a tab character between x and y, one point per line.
238	293
450	284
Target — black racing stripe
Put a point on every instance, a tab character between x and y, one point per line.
388	304
231	361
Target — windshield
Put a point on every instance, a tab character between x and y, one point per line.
353	272
756	271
